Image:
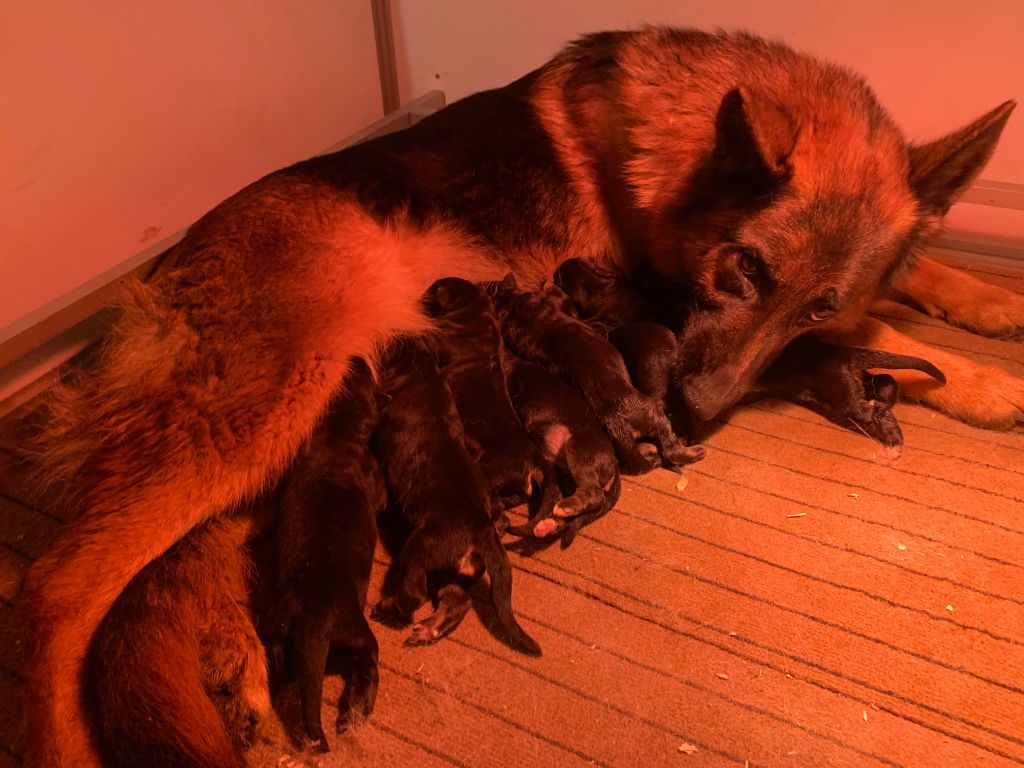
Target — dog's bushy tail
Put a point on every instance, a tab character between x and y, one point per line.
499	571
157	714
168	646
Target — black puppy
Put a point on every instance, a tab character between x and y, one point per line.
325	539
836	382
472	353
559	421
833	381
438	492
540	327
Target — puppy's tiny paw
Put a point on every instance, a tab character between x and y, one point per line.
422	635
388	614
546	527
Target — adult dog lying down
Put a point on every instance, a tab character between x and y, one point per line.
773	188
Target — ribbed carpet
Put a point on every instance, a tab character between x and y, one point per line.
804	602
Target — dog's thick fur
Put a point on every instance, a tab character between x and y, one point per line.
325	537
438	495
772	187
178	675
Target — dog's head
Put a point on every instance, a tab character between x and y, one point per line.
771	187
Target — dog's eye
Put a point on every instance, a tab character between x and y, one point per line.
820	314
748	262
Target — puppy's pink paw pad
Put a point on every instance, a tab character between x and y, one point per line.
545	527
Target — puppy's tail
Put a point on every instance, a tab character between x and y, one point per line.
500	573
878	358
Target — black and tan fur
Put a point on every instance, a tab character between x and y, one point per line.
773	188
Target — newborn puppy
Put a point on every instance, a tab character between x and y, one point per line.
830	380
606	299
836	382
472	352
559	421
178	676
325	538
540	328
437	490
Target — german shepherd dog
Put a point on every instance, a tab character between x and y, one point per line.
834	381
773	188
558	419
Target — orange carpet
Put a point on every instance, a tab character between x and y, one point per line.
804	602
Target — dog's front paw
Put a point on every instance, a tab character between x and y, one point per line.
985	397
986	309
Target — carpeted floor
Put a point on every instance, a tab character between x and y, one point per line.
804	602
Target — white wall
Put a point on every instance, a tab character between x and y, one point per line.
125	120
935	64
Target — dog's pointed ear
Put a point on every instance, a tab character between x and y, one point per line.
755	132
942	170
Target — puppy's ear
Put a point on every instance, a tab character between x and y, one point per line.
509	282
942	170
754	132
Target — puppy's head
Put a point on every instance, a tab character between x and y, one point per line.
453	295
772	188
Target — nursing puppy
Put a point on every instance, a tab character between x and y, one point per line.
539	327
473	352
559	421
325	537
178	675
436	490
772	188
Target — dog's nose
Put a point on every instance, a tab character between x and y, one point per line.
704	402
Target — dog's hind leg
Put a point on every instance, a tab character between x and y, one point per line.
405	584
961	299
361	674
980	395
